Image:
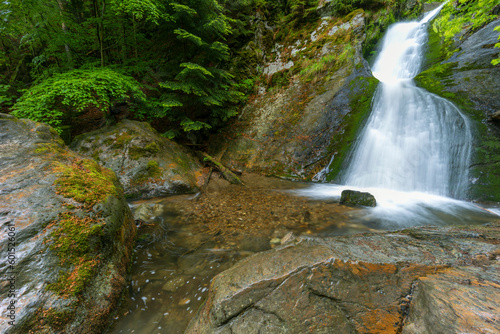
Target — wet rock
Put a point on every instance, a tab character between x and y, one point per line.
289	133
353	197
72	233
174	284
469	80
407	281
147	164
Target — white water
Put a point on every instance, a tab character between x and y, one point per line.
413	154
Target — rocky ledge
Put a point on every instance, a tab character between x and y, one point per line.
67	234
421	280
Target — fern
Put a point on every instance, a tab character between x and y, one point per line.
66	95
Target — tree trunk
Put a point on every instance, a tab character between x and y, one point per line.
65	31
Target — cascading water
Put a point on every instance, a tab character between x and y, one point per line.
414	151
413	140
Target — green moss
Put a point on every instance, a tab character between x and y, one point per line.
76	241
152	148
85	181
137	152
153	170
362	90
122	140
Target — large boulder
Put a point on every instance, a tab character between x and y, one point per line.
422	280
468	79
67	234
147	164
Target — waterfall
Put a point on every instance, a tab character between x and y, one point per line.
414	151
413	140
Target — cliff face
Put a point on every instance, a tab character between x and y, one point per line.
314	94
460	70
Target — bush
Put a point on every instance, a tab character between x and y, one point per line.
58	99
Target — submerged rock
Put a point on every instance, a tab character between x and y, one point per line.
352	197
67	232
147	164
411	281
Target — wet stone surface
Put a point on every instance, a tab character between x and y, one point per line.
184	241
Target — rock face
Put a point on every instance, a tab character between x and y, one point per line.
423	280
67	234
147	164
468	79
352	197
315	91
295	131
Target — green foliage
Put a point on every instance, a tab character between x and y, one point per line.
497	45
301	11
344	7
457	15
4	95
57	99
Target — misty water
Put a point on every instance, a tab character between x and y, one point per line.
414	152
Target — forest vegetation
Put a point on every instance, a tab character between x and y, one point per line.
177	64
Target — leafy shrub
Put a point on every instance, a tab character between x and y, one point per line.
63	96
497	45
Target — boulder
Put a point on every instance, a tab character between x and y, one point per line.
422	280
67	234
147	164
352	197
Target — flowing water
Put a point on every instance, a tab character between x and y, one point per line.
414	153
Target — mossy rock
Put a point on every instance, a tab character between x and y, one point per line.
74	226
466	77
147	164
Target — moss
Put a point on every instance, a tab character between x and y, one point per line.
50	148
152	148
137	152
153	170
362	90
121	140
76	241
85	181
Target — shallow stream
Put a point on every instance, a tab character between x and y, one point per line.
184	241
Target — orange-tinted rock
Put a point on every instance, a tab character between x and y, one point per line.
358	284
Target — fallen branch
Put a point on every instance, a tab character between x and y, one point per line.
226	173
